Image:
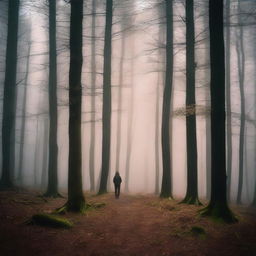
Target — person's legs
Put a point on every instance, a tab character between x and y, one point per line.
116	190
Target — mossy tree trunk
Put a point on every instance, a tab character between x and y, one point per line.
217	207
76	201
166	189
10	97
52	189
106	112
192	190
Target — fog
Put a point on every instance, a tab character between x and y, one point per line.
142	25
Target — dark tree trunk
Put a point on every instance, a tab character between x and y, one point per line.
120	99
52	189
23	115
241	65
228	101
218	207
106	115
192	193
166	190
93	95
9	104
76	201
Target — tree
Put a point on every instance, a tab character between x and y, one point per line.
228	101
9	104
24	107
76	201
241	74
192	193
106	115
217	207
52	189
166	189
93	95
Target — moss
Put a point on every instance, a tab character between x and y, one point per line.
197	231
50	220
219	212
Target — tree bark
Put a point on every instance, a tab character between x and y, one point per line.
166	189
106	112
52	189
93	103
76	201
192	190
228	101
217	207
10	97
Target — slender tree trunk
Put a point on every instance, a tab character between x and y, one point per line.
93	103
36	153
52	189
130	123
23	115
166	190
76	201
120	99
241	65
106	115
9	104
192	190
45	154
228	102
218	207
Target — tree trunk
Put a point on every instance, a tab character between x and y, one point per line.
52	189
241	64
23	115
106	112
93	95
166	190
217	207
192	190
76	201
9	104
228	102
45	154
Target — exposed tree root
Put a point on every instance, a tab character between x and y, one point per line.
52	195
219	212
191	200
50	220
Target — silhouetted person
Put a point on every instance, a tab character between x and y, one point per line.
117	182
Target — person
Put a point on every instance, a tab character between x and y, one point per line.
117	182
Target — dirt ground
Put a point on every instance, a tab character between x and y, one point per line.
130	226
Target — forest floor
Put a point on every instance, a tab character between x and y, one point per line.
133	225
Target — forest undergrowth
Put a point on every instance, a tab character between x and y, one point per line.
129	226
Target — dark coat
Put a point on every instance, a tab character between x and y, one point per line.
117	180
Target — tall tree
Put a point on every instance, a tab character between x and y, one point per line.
192	190
166	189
9	104
217	207
52	189
106	112
228	101
93	95
24	108
241	70
76	201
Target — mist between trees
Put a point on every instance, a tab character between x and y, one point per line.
146	96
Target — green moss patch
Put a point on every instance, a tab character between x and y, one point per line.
50	220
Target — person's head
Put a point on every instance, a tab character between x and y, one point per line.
117	173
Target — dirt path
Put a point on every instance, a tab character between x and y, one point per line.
129	226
